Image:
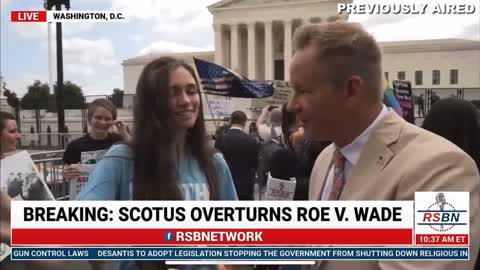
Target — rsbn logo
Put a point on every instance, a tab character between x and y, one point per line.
168	236
443	219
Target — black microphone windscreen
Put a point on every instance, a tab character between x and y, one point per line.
283	164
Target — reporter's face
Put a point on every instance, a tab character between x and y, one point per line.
9	136
318	105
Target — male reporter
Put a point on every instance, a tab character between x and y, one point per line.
376	155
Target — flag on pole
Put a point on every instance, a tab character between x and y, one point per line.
217	80
390	100
398	96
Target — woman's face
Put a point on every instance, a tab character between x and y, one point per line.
9	136
101	122
184	101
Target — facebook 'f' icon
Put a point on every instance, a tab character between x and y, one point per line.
168	235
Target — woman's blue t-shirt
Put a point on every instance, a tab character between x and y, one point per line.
112	178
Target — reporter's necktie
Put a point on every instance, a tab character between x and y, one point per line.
338	176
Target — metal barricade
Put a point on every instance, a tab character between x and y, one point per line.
47	141
50	166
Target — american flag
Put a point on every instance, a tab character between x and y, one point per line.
217	80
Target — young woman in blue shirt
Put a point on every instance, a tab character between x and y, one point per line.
168	157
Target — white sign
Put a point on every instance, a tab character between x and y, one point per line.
279	189
89	160
282	93
21	180
219	107
4	251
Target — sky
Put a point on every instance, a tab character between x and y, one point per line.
93	52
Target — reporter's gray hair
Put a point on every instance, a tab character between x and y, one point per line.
344	49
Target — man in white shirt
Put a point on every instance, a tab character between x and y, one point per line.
269	124
337	79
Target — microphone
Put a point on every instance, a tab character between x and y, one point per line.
283	164
281	183
440	198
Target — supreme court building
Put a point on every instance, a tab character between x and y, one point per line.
254	38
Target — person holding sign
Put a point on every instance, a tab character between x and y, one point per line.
8	134
337	79
102	115
8	144
269	124
83	153
168	157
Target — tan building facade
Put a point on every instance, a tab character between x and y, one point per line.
443	65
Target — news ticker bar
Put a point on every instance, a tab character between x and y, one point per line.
240	253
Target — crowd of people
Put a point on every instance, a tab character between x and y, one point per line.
277	145
335	121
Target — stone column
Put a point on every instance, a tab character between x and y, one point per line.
234	52
287	48
218	44
268	50
252	65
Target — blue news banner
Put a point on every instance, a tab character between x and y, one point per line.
240	253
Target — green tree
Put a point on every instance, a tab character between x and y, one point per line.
117	98
73	97
12	99
36	97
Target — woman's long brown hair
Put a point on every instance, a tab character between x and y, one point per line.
155	157
154	144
